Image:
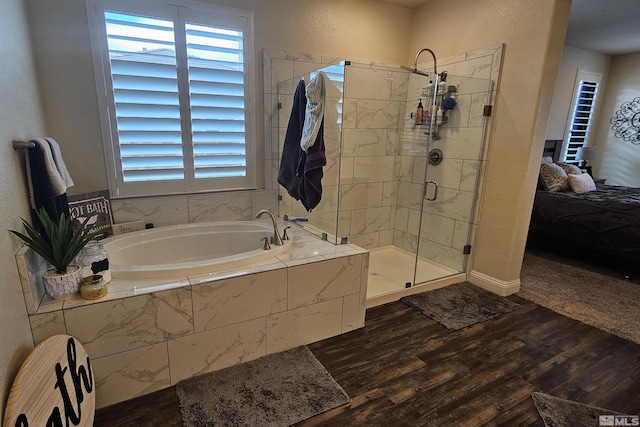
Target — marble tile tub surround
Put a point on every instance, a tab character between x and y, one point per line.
149	334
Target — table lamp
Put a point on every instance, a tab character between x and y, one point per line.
586	153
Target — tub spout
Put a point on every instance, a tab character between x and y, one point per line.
276	234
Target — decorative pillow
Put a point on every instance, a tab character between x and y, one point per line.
582	183
569	169
547	160
553	178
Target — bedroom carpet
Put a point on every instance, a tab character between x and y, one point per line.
460	305
556	412
593	298
275	390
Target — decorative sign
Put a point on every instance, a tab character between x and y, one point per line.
626	122
96	204
54	387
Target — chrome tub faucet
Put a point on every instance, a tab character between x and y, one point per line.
275	239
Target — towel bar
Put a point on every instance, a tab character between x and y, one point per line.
19	145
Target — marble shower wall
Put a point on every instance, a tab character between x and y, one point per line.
374	103
448	223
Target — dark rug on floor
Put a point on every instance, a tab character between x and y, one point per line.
556	412
276	390
460	305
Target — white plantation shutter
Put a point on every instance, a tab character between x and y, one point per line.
584	104
216	82
176	94
145	92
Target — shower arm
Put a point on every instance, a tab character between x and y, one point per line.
443	75
435	65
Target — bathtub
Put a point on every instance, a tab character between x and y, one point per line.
190	249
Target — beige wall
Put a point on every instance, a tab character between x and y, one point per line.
573	59
617	159
534	37
355	29
20	117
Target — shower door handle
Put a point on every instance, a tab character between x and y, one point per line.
435	192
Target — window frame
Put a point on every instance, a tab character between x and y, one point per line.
181	12
581	76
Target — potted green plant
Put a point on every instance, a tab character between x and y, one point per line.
59	244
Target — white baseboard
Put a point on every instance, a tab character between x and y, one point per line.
497	286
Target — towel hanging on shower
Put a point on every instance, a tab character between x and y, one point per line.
310	171
314	112
287	173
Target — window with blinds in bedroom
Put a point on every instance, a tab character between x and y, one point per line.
174	90
585	96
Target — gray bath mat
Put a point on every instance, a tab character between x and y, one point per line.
460	305
556	412
276	390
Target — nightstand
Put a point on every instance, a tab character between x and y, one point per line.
599	180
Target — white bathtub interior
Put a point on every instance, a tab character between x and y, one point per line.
190	249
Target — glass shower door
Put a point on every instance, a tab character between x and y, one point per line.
452	163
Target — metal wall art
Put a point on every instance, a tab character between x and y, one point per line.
626	122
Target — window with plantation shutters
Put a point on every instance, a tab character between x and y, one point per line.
174	81
582	110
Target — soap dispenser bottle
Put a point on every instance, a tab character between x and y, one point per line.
419	112
430	89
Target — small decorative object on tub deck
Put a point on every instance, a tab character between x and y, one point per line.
59	243
95	260
93	287
60	285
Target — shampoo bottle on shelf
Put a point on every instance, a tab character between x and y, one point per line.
443	88
439	116
419	112
429	90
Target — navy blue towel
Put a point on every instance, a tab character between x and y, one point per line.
291	151
310	172
43	191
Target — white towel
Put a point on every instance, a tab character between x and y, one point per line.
57	158
59	181
314	112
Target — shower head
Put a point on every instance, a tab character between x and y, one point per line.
443	76
415	71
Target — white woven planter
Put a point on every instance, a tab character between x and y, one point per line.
62	286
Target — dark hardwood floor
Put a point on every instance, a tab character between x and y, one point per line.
404	369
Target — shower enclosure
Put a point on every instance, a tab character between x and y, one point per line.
401	186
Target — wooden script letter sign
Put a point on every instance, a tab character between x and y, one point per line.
54	387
